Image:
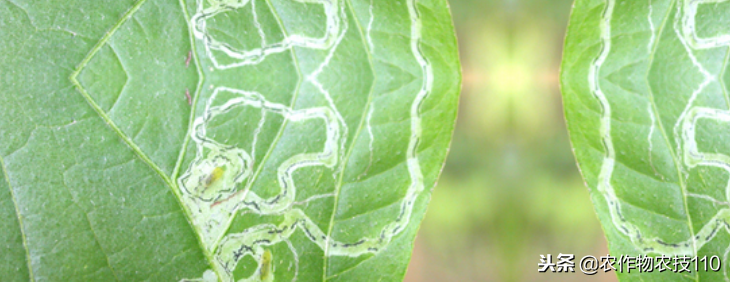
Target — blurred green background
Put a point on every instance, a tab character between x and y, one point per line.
510	190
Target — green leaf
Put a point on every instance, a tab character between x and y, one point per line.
645	94
220	140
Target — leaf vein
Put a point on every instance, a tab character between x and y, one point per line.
20	219
363	117
96	238
660	125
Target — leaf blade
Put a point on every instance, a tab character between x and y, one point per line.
128	116
631	86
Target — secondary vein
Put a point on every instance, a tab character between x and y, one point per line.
20	219
363	116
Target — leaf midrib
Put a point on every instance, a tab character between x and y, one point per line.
665	137
346	159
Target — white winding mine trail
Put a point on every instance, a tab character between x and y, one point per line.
209	184
684	132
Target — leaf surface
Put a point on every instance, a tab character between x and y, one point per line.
247	140
645	94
